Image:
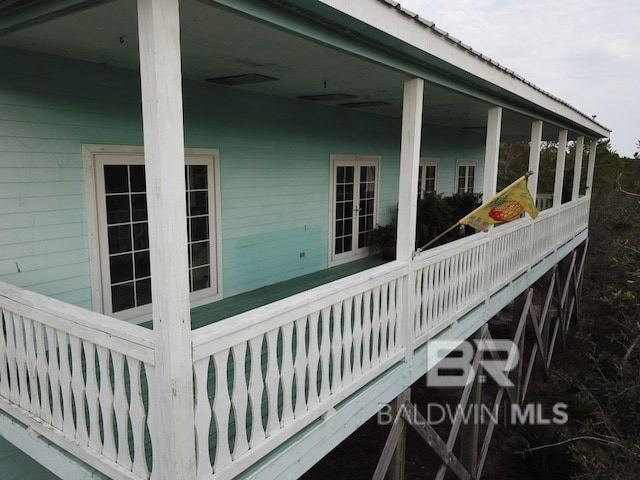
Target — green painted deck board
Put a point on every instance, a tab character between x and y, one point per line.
243	302
228	307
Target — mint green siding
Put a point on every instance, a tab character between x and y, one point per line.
274	169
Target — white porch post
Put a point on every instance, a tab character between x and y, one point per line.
592	165
171	416
409	165
534	157
560	159
408	196
492	150
577	169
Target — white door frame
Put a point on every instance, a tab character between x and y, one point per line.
356	161
97	239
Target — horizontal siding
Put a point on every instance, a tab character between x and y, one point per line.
48	108
274	169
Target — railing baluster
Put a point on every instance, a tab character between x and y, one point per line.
106	404
221	408
43	375
272	381
347	340
240	399
256	387
336	347
77	385
92	395
138	419
366	331
375	327
314	360
65	384
301	364
121	409
357	336
325	352
384	320
286	373
202	416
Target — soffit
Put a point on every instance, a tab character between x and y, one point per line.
216	43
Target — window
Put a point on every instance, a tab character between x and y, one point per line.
427	176
466	176
123	235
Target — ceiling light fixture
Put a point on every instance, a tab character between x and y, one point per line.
327	97
245	79
365	104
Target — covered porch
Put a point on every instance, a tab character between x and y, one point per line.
153	401
292	362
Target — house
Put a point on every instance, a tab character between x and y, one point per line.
294	127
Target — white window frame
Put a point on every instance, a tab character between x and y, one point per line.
428	162
98	248
466	163
339	159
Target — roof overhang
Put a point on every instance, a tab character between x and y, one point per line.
365	49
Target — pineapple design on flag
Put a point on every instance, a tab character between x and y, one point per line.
507	205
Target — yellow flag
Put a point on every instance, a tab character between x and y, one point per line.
507	205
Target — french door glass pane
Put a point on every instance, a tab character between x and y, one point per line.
344	209
366	205
128	233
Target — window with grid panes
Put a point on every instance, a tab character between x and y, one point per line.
124	219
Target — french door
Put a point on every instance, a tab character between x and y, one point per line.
354	205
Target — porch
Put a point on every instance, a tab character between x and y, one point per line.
295	363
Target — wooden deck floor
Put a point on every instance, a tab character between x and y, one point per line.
236	304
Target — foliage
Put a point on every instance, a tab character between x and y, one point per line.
433	218
603	379
383	236
437	213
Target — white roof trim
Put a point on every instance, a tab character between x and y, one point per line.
393	19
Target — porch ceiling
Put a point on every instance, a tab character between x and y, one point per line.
219	43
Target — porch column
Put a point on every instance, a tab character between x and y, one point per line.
171	416
534	157
577	169
492	150
592	165
560	159
409	164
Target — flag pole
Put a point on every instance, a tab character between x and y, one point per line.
424	247
457	224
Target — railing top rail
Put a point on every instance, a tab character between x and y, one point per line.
246	325
117	335
440	252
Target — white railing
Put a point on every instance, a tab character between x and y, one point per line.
544	201
286	364
81	379
77	378
447	280
452	279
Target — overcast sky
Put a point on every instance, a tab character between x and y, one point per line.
587	52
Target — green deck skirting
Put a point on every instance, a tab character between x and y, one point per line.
17	465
